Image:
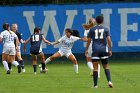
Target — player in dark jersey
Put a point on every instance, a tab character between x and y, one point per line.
36	48
101	49
18	52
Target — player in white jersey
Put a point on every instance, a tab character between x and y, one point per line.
88	57
66	43
7	37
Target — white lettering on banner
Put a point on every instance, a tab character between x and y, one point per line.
50	21
125	27
29	16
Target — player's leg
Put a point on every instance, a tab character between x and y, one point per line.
4	61
107	71
9	63
72	58
95	72
15	63
88	57
20	60
53	57
34	60
43	68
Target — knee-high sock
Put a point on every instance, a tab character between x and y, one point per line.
76	68
15	63
90	65
35	68
95	77
47	60
107	72
5	64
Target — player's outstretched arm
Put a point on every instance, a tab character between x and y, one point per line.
109	42
54	43
46	41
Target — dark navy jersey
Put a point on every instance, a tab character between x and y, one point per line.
99	34
18	35
36	40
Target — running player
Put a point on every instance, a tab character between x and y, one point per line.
8	37
87	27
18	53
36	48
101	49
66	43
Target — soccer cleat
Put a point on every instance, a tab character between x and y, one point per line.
94	86
35	73
23	70
43	70
110	84
19	69
8	72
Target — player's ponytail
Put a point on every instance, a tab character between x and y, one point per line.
75	33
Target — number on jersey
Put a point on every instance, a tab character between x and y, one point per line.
99	33
35	38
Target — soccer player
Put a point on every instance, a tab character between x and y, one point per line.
36	48
66	43
101	49
8	37
87	27
18	52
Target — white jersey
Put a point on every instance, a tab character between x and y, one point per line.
8	38
67	43
90	46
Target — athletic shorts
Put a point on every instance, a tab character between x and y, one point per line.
65	53
9	50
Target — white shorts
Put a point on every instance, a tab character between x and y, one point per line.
65	53
9	50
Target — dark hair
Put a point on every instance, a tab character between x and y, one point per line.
76	33
99	19
36	30
5	26
69	30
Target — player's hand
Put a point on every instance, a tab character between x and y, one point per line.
24	50
110	53
17	48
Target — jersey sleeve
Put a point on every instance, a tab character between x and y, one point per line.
1	34
19	36
86	33
107	32
59	40
75	38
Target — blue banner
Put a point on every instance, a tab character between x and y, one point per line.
123	20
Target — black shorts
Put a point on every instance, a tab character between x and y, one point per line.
100	56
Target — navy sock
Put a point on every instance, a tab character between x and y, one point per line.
43	66
22	64
95	77
9	65
107	72
35	68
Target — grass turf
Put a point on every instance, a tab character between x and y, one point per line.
62	79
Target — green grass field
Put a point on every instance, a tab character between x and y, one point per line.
62	79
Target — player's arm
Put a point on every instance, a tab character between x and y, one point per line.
109	42
84	39
54	43
24	47
87	45
17	43
45	41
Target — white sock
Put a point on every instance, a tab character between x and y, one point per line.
15	63
5	64
76	68
99	70
90	65
47	60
